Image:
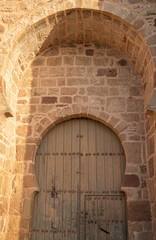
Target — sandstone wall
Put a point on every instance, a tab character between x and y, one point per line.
151	159
7	159
65	82
82	81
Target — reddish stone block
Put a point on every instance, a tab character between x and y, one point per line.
89	52
151	167
122	62
139	211
131	181
49	100
151	146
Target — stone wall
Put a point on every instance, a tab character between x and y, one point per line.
151	158
33	16
59	85
7	159
81	81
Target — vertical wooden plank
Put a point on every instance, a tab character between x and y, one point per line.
92	158
116	164
35	210
50	203
41	196
67	179
108	161
100	158
92	172
84	169
75	177
59	182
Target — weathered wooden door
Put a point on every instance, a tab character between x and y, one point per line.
79	168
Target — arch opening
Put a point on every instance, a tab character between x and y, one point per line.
77	26
80	166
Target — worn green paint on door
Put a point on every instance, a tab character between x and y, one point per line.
80	166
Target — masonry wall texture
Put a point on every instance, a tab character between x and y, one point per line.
73	58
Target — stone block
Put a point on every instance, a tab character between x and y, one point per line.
151	167
29	181
97	91
121	127
83	61
15	206
151	145
135	91
51	52
69	60
39	62
139	211
90	52
97	81
122	62
24	130
145	236
77	81
48	82
113	53
124	72
115	104
151	190
14	222
61	82
97	16
108	72
131	180
68	91
54	61
75	71
135	105
27	207
53	91
56	72
25	152
101	61
49	100
97	101
133	150
151	40
114	91
131	117
40	91
138	23
80	99
66	99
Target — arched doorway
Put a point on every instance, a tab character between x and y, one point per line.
80	166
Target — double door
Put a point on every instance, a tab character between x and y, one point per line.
80	166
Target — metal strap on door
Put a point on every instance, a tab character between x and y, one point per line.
79	168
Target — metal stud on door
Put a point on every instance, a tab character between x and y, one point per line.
79	168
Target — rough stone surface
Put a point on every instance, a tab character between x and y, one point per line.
139	211
131	181
46	77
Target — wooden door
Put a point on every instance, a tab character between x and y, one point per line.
80	166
